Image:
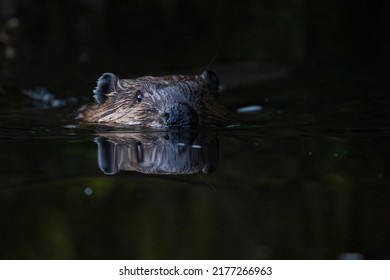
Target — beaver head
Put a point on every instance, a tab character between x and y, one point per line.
175	100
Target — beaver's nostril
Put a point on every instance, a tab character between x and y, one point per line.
165	117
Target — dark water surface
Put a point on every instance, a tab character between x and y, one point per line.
306	177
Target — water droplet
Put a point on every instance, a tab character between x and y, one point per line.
233	125
88	191
70	126
249	109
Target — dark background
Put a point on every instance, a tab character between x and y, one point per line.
305	177
61	43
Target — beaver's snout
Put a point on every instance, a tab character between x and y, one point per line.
180	115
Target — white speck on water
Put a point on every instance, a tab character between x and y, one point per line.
310	153
88	191
336	155
70	126
196	146
266	100
181	144
249	109
58	103
233	125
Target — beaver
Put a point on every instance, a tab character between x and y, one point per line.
167	101
170	152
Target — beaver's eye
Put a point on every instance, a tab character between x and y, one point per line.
140	96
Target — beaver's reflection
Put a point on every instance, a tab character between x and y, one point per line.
183	152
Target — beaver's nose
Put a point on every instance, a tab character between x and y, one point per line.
165	117
181	114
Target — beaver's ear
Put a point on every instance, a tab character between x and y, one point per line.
211	79
105	85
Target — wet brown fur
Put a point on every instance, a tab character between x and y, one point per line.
159	94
